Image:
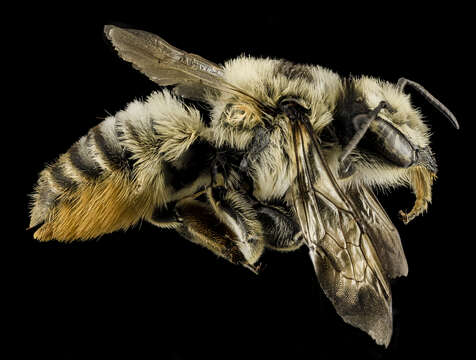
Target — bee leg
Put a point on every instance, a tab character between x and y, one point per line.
235	209
199	224
222	222
346	168
280	231
421	181
165	217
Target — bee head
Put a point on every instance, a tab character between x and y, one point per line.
395	146
397	129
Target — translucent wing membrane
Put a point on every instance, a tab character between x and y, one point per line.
191	75
163	63
341	241
381	230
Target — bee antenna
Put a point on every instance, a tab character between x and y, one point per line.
402	82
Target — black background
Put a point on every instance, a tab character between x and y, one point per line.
149	294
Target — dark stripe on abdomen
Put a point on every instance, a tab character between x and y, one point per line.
85	164
109	154
126	154
61	179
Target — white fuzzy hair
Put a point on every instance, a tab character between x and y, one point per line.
406	118
162	129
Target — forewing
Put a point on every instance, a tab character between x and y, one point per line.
164	63
381	230
344	258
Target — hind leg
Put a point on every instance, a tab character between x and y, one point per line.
222	221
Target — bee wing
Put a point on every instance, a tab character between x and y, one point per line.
383	233
165	64
341	247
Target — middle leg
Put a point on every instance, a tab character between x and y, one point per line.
280	231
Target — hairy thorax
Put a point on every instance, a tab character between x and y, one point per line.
272	171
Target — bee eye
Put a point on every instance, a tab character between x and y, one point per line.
359	100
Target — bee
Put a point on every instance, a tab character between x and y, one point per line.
289	156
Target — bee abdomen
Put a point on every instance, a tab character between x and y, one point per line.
105	140
82	162
90	160
117	174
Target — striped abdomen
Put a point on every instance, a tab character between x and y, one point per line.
82	185
116	174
